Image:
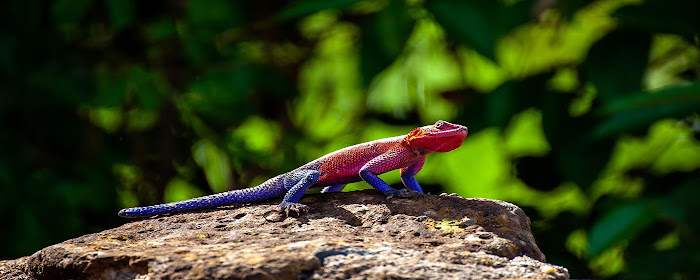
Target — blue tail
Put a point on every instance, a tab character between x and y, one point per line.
262	192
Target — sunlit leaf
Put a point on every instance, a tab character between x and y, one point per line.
179	189
215	163
108	119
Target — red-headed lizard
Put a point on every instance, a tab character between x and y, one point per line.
333	171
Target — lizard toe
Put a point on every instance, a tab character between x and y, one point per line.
394	192
293	207
403	193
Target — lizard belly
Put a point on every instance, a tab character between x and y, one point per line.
340	176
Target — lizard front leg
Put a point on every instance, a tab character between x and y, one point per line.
392	159
408	175
296	183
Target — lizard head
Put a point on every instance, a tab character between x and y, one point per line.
439	137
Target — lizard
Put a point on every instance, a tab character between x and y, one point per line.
361	162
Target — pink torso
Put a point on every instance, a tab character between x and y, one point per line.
343	166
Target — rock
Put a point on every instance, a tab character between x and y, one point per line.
345	235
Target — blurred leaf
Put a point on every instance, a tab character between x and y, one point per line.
498	107
579	158
383	38
515	96
140	120
144	85
306	7
69	11
616	63
479	24
121	13
160	29
641	109
214	12
215	164
179	189
108	119
111	90
198	50
221	95
682	262
621	224
659	16
256	139
681	204
569	7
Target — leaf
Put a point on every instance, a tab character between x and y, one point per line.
210	11
209	17
515	96
579	157
143	84
111	90
498	107
121	13
69	11
478	24
658	16
639	110
621	224
222	95
304	8
570	7
383	38
616	63
214	162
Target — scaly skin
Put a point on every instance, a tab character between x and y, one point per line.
352	164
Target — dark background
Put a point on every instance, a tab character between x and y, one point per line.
583	113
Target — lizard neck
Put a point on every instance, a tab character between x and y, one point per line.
415	150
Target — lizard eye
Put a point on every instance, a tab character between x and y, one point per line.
438	124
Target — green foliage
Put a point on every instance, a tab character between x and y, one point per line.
583	113
479	24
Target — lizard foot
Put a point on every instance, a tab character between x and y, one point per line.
287	207
403	193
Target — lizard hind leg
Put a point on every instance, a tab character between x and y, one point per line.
296	183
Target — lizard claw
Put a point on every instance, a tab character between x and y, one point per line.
293	207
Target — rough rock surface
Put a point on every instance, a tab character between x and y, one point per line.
345	235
